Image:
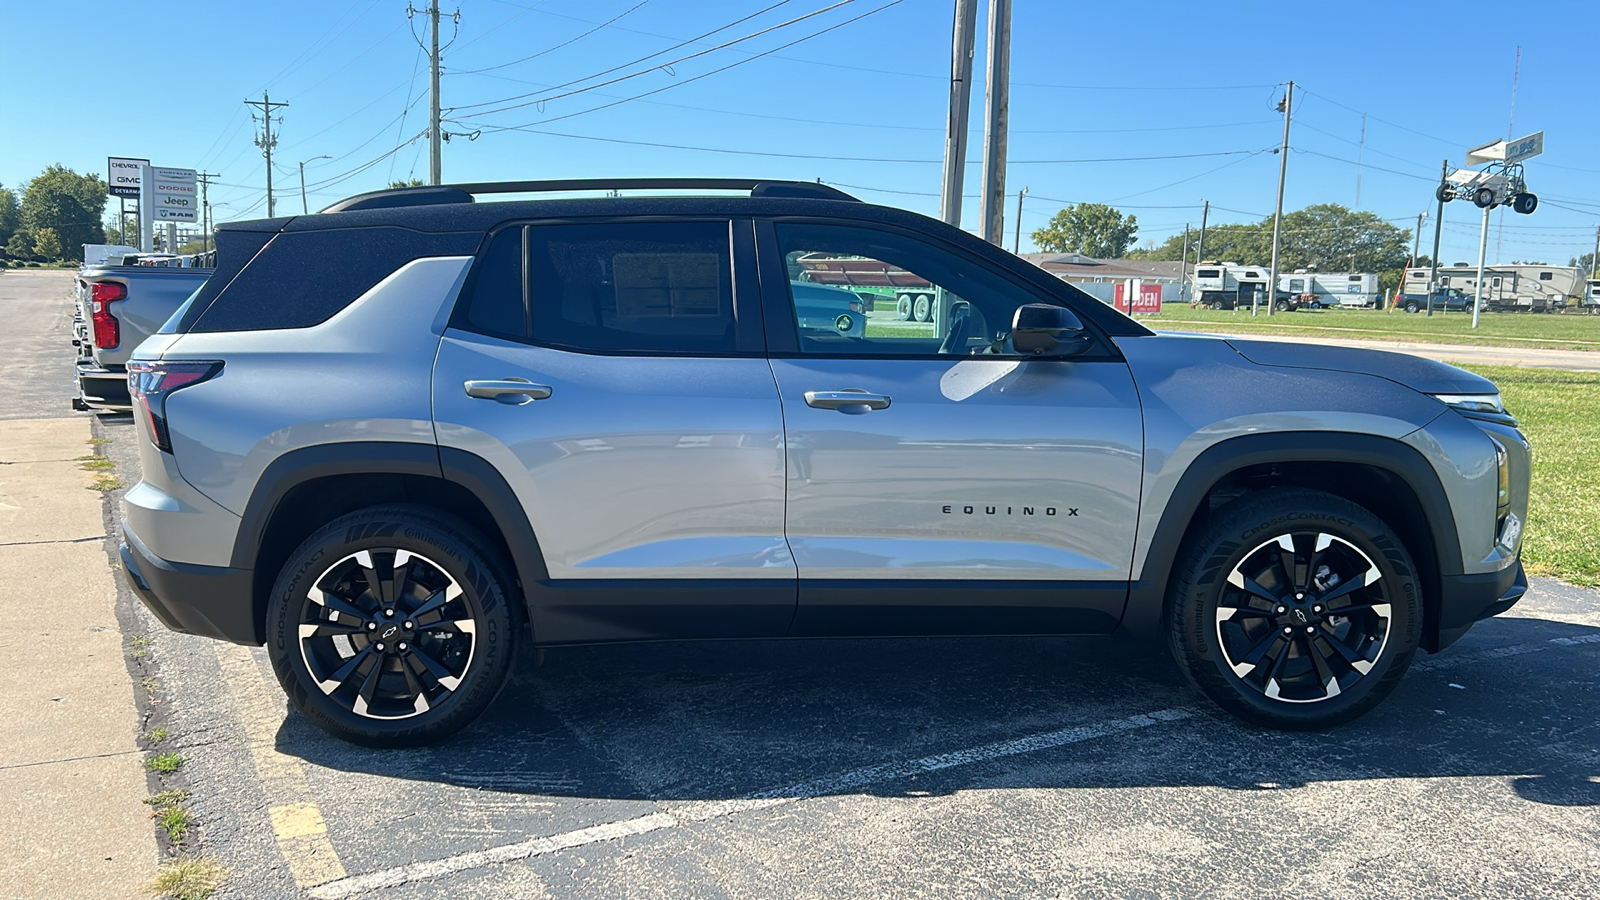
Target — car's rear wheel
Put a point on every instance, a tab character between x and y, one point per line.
1483	197
1412	307
1294	609
391	626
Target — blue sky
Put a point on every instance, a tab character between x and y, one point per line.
861	106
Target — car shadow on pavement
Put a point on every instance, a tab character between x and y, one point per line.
1519	698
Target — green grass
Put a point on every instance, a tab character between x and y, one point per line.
106	483
164	763
1568	331
175	820
190	878
157	735
1559	411
96	463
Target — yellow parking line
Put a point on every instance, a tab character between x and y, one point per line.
297	821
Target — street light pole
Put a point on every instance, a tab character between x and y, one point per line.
1483	248
303	208
1016	240
1277	215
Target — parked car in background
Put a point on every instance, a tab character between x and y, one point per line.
1444	300
117	308
819	307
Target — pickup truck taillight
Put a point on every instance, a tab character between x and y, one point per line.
150	383
107	330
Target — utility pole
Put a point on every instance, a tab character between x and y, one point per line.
205	206
1277	213
1200	250
1183	267
955	132
1016	240
435	144
266	141
1594	258
1438	222
1360	160
994	131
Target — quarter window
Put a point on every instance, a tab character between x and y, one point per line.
496	306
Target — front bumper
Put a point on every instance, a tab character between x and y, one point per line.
103	388
1467	599
209	601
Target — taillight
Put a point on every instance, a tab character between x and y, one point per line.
150	383
855	306
107	330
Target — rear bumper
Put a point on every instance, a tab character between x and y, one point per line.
209	601
1467	599
103	388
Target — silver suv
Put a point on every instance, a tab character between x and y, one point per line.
395	439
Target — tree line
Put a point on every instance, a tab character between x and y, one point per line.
56	213
1325	236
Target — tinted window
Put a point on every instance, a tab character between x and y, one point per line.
632	287
496	303
1546	276
234	250
303	277
1207	273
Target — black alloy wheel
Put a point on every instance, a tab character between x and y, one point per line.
389	626
1295	609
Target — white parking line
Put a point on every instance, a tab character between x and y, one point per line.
705	810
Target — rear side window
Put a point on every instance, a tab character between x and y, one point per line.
303	277
618	287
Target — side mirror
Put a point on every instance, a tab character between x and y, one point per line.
1039	329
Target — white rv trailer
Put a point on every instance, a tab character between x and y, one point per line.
1515	287
1228	285
1332	289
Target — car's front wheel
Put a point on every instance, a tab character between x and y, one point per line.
392	626
1295	609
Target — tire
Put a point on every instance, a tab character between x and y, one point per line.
1444	193
1525	203
1282	306
1483	198
1412	307
924	308
1245	661
902	308
452	604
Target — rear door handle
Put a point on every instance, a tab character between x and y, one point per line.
850	400
515	391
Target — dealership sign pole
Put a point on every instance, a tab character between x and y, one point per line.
122	182
166	195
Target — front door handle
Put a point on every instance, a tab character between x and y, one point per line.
853	401
514	391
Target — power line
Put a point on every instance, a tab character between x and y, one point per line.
547	50
725	68
873	159
310	52
666	65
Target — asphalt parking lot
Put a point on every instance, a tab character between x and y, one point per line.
926	768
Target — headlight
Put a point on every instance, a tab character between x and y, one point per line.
1473	403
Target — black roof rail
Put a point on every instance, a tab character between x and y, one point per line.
462	193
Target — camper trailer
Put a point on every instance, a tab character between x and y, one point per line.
1226	285
1351	290
1529	288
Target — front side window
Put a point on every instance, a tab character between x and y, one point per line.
927	300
